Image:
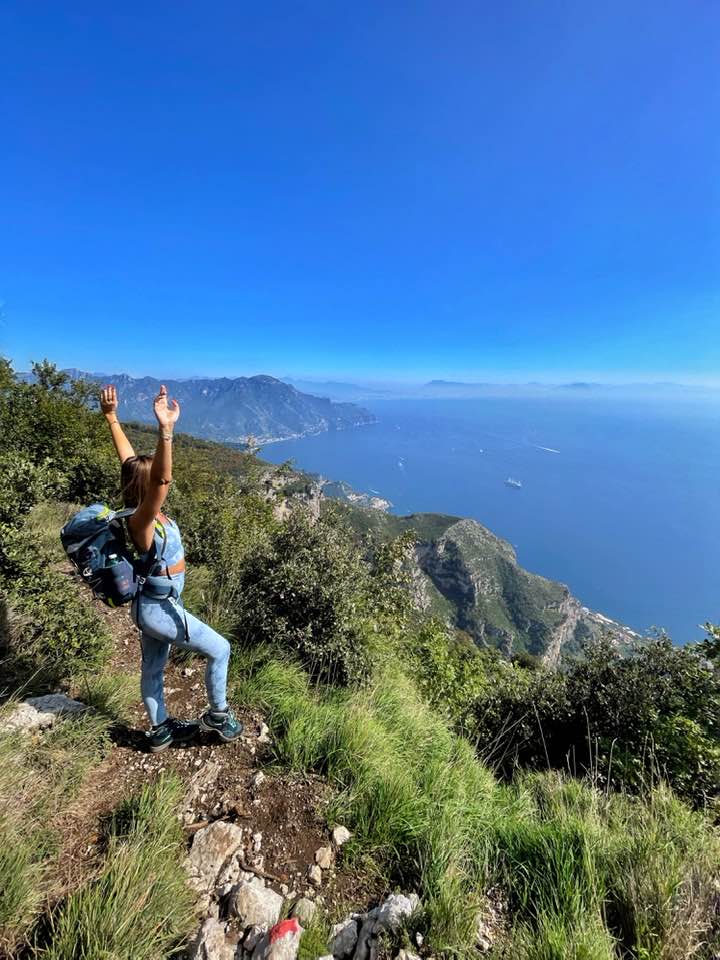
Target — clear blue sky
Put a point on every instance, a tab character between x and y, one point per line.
370	189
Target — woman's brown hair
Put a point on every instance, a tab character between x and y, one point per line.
134	478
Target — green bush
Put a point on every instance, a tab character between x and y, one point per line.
50	424
630	721
222	527
308	589
56	633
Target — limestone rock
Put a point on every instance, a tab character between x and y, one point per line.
211	943
315	875
200	783
324	857
390	914
252	938
407	955
483	934
340	835
344	938
366	948
39	713
255	905
281	942
304	910
212	848
359	936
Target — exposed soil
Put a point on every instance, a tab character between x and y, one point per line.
221	782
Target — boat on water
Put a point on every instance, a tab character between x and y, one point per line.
510	482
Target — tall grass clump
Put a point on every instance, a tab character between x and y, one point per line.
601	875
412	792
586	874
39	776
140	907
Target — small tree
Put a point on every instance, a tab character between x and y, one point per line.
310	590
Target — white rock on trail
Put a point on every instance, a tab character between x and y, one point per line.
324	857
340	836
358	936
39	713
211	943
251	938
344	938
212	847
390	914
200	782
255	905
314	875
279	943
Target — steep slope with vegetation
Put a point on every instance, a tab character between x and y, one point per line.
538	814
465	574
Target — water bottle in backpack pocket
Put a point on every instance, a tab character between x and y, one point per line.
96	544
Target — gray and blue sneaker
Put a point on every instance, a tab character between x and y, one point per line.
170	731
224	723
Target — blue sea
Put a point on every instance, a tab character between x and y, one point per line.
620	500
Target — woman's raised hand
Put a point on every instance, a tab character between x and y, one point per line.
166	413
108	400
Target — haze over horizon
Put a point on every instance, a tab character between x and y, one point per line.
491	193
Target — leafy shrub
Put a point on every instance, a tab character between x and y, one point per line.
50	424
629	720
56	633
24	484
222	527
308	589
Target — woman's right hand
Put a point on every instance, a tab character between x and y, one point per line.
109	400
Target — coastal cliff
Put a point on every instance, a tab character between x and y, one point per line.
471	578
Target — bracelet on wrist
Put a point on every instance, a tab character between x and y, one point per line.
166	436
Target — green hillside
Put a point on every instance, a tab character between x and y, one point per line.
538	814
471	578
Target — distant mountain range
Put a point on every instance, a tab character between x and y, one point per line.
337	390
232	409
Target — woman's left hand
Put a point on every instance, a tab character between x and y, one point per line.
109	400
166	413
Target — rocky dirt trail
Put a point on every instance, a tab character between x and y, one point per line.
259	844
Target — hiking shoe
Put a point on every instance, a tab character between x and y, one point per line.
224	723
170	731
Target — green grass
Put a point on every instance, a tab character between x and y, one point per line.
140	907
39	776
587	876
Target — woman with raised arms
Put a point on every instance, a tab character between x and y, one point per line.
156	609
